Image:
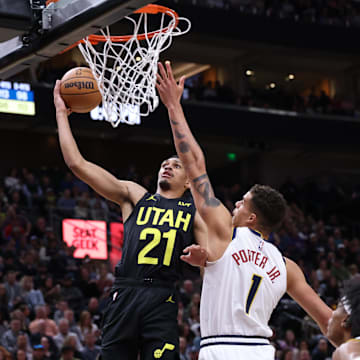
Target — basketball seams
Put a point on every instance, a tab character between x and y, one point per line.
80	81
79	77
82	93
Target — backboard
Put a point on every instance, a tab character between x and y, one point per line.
51	29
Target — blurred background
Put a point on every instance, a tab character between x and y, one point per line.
272	96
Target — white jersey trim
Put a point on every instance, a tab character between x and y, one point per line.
233	340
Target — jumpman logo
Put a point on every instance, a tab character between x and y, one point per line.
158	353
152	197
170	299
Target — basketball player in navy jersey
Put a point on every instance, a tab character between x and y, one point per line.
344	325
141	317
244	278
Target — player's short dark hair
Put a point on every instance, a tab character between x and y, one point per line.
351	294
269	205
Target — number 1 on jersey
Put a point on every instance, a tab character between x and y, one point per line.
256	281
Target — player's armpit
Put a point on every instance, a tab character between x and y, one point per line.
200	231
305	296
107	185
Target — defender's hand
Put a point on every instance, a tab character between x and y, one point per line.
169	90
196	256
58	100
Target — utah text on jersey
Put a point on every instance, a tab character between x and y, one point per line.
157	216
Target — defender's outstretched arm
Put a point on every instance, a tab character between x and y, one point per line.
213	212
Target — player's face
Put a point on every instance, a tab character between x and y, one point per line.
242	214
335	329
172	174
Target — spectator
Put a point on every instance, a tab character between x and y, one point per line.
81	210
72	341
66	203
50	349
71	293
69	315
61	306
38	352
23	344
31	296
339	271
64	333
4	354
51	328
68	353
51	291
9	339
186	292
12	181
3	321
39	229
93	308
21	355
304	355
183	348
85	325
90	350
32	191
4	300
87	285
321	352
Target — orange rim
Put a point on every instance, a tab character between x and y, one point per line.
148	9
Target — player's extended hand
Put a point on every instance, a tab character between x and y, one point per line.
196	256
169	90
58	100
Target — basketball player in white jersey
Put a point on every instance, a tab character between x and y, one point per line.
244	279
344	325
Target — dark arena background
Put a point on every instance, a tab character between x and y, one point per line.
272	95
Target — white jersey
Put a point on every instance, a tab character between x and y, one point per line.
242	288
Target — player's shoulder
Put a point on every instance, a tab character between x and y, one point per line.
272	247
135	191
348	350
241	232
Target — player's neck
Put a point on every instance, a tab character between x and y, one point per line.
169	194
347	336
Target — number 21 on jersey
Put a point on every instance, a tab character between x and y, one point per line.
156	238
256	281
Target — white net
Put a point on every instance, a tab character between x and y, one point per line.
126	70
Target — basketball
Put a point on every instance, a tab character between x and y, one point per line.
79	90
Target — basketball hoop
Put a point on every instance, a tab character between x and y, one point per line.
125	67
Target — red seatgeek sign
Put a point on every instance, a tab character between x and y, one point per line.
87	236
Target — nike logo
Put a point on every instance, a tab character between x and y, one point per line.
170	299
152	197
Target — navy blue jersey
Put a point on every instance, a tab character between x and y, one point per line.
155	235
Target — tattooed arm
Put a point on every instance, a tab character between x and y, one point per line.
212	211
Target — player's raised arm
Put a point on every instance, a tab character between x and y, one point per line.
99	179
213	212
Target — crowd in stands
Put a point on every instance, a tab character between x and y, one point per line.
51	303
277	98
325	12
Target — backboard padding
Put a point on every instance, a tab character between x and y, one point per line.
66	31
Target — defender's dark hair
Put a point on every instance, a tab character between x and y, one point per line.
269	205
351	295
